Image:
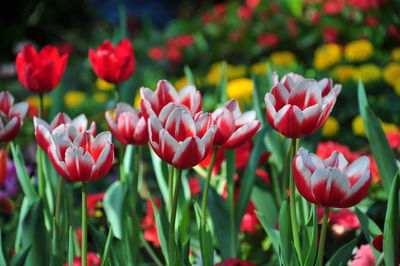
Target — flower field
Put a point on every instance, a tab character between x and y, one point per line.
237	133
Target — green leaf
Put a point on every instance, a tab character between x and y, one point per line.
189	75
343	254
23	176
270	230
206	241
223	81
162	225
392	225
115	207
20	258
264	201
285	233
312	231
383	154
70	247
368	226
161	174
2	257
105	255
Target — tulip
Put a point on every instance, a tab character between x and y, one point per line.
152	102
113	64
43	130
11	116
297	106
3	166
331	182
92	260
179	139
79	156
127	124
40	72
233	127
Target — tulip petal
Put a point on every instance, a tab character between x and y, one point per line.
168	146
189	154
358	191
302	178
104	162
288	121
10	130
99	143
180	124
311	117
80	122
58	164
336	160
243	134
281	96
19	109
60	118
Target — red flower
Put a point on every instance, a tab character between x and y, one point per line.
79	156
113	64
252	3
332	7
394	140
149	224
179	139
156	53
324	150
152	102
127	124
378	243
371	21
364	4
268	40
6	205
234	262
65	48
250	221
344	220
245	12
297	106
364	256
376	178
11	116
263	175
194	185
181	41
94	201
292	27
219	10
331	182
207	18
330	34
3	166
174	54
315	16
234	127
43	130
275	7
40	72
92	260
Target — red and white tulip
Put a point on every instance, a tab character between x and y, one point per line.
234	127
331	182
43	130
79	156
11	116
178	138
127	124
297	106
154	101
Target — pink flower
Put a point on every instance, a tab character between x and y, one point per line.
11	116
297	106
331	182
364	257
344	220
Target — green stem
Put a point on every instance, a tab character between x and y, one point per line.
39	156
171	237
275	184
116	93
207	186
59	199
231	162
122	176
292	188
321	247
170	187
84	225
285	172
135	196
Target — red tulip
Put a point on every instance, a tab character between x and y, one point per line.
94	204
92	260
152	102
297	106
3	166
331	182
11	116
113	64
234	127
179	139
79	156
40	72
127	124
43	130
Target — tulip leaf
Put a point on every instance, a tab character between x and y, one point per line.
161	174
223	81
271	231
114	206
392	225
285	233
265	203
383	154
70	247
23	176
20	258
189	75
206	241
312	231
369	229
105	255
162	225
343	254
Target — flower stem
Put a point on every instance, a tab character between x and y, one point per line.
138	153
170	187
207	187
321	247
295	232
39	156
171	237
59	199
122	176
84	225
116	93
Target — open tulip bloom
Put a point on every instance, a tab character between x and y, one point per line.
11	116
331	182
297	106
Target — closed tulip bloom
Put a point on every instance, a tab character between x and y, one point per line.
179	139
297	106
79	156
43	130
127	124
113	64
153	101
40	72
11	116
234	127
331	182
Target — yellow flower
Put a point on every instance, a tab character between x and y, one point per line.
391	73
330	128
136	101
396	54
180	83
358	126
259	68
33	101
359	50
327	55
240	89
344	72
233	72
389	127
283	58
104	85
100	97
397	87
74	98
367	73
237	71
